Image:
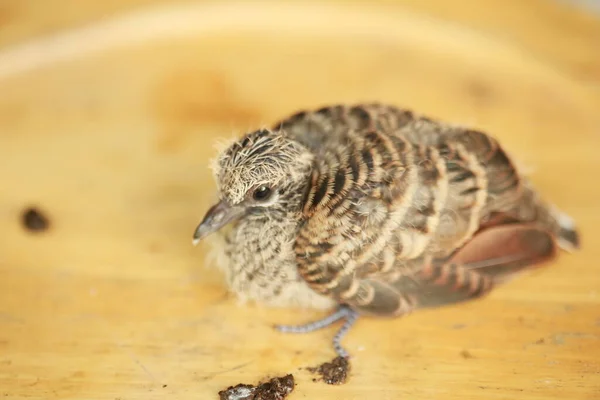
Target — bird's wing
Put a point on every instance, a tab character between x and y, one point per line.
491	257
393	196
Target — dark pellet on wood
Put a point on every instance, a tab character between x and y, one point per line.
34	220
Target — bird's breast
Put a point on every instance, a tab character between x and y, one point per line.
260	265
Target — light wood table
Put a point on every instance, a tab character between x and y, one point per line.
108	113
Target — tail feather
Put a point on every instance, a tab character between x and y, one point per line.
568	236
503	251
491	257
530	208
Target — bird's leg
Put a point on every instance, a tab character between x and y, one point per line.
350	320
343	312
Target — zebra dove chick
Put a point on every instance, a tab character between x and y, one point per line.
369	209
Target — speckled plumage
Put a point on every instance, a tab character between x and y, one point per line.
377	209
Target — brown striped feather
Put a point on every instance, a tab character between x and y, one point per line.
394	194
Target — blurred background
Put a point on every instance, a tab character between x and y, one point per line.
108	115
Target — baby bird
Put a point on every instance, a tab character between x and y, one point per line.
370	209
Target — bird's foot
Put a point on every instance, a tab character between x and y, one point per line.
344	312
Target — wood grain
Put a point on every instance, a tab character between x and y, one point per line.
107	125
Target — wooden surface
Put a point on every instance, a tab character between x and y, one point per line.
108	112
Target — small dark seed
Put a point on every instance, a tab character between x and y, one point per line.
34	220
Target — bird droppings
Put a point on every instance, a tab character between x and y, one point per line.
34	220
334	372
238	392
274	389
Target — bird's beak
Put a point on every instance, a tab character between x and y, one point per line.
217	217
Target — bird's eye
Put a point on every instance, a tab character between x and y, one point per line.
262	193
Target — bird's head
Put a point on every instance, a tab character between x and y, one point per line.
264	172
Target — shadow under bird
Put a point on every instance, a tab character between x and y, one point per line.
369	209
